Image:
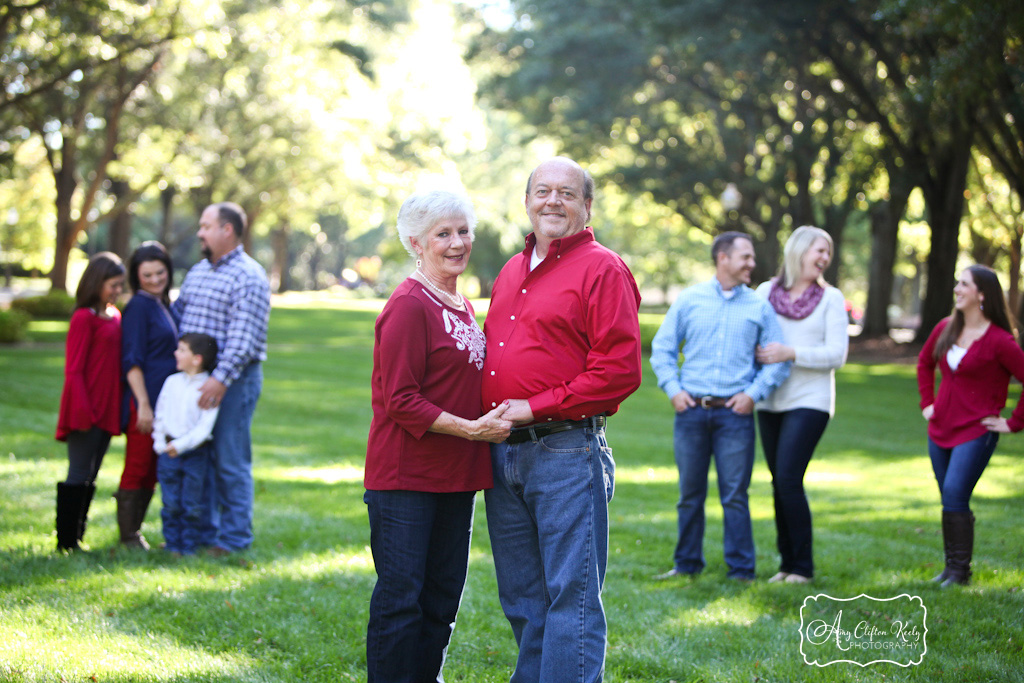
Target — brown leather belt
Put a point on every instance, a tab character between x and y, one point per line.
539	431
712	402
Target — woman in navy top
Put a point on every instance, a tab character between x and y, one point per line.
149	336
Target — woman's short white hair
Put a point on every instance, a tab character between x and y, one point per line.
802	239
423	210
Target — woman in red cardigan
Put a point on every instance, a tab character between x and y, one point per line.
90	407
427	453
976	350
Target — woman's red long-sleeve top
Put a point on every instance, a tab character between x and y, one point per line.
92	374
978	388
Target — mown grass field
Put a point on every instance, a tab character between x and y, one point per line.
293	608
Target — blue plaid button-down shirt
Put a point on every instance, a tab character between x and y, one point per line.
230	301
718	336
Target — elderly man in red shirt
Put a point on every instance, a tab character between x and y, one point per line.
563	347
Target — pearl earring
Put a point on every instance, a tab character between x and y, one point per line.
419	263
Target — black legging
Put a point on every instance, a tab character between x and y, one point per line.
85	454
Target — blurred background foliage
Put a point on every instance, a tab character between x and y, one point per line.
896	126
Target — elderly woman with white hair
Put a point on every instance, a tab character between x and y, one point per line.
427	452
793	418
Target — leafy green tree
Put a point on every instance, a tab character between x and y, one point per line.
70	70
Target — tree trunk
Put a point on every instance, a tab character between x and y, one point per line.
120	236
279	271
166	216
65	184
885	228
944	197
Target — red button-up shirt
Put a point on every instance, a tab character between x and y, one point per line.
565	336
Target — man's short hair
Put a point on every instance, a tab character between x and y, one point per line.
723	243
234	215
202	345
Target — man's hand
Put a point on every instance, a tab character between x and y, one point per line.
172	452
683	401
519	411
211	393
741	404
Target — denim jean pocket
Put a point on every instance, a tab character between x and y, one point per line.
572	441
608	470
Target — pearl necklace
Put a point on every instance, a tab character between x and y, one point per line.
456	299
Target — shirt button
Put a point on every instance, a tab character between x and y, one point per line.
492	373
583	417
501	343
549	419
494	405
512	317
524	291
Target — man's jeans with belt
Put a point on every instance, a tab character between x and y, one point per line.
228	518
547	516
699	434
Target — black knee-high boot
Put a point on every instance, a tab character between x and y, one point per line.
90	491
70	501
961	548
946	539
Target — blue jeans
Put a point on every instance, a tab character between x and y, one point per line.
789	439
699	434
182	480
420	545
958	469
227	519
547	516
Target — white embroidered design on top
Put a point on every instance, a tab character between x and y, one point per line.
467	337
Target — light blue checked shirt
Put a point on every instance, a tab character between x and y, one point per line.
230	301
719	336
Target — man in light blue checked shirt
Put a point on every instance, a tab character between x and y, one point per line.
719	324
227	296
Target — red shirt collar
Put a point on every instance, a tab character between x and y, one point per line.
562	245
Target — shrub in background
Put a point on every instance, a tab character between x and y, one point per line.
13	326
51	306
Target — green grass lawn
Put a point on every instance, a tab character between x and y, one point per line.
294	607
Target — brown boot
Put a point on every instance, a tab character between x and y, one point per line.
961	548
129	518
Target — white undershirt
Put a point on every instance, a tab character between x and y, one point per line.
535	260
954	356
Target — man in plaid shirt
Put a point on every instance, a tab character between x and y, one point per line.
227	296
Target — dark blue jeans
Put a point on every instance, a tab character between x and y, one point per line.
958	469
789	439
701	433
420	546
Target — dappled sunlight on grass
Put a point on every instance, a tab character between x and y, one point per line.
326	475
646	475
99	650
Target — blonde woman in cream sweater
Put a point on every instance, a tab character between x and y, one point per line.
791	420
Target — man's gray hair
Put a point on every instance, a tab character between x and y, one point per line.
423	210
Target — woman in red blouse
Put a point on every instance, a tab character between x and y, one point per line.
427	453
90	407
976	350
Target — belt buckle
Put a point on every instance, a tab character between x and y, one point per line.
705	402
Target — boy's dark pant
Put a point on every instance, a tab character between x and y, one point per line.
182	481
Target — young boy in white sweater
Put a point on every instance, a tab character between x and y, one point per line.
181	438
